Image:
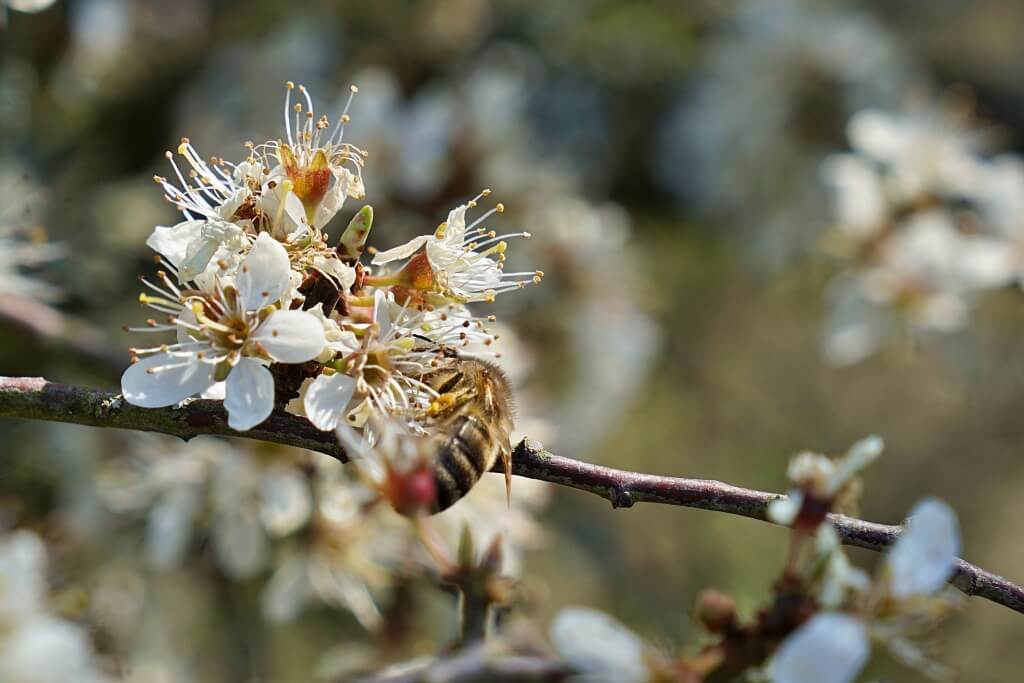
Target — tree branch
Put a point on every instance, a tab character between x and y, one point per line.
35	398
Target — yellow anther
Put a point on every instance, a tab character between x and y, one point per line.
500	208
289	84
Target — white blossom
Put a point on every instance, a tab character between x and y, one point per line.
924	556
22	578
490	511
322	169
383	374
35	646
351	557
599	647
830	648
236	330
922	151
467	261
840	577
822	477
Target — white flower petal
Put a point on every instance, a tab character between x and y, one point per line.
401	252
46	649
217	391
29	6
291	336
185	377
327	398
382	314
987	263
285	499
213	236
22	575
861	204
923	558
283	206
287	591
343	274
455	227
830	648
860	455
263	277
239	544
169	527
599	646
879	134
249	396
172	242
346	184
784	510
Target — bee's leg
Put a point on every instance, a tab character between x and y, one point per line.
506	460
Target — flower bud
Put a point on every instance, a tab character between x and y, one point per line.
353	240
410	492
716	611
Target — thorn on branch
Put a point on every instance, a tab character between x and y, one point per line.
620	497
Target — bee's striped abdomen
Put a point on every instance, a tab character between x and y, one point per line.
465	451
469	423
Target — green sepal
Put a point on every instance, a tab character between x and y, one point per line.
353	240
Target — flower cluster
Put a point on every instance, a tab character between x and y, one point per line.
269	312
37	646
894	608
926	222
297	520
486	127
266	308
804	67
826	612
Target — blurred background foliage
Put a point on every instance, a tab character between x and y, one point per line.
666	157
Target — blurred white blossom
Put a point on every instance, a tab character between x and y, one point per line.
924	556
835	645
36	646
601	649
802	66
821	480
925	224
830	648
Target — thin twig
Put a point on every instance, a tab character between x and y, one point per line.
35	398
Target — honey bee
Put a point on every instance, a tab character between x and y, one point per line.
470	424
